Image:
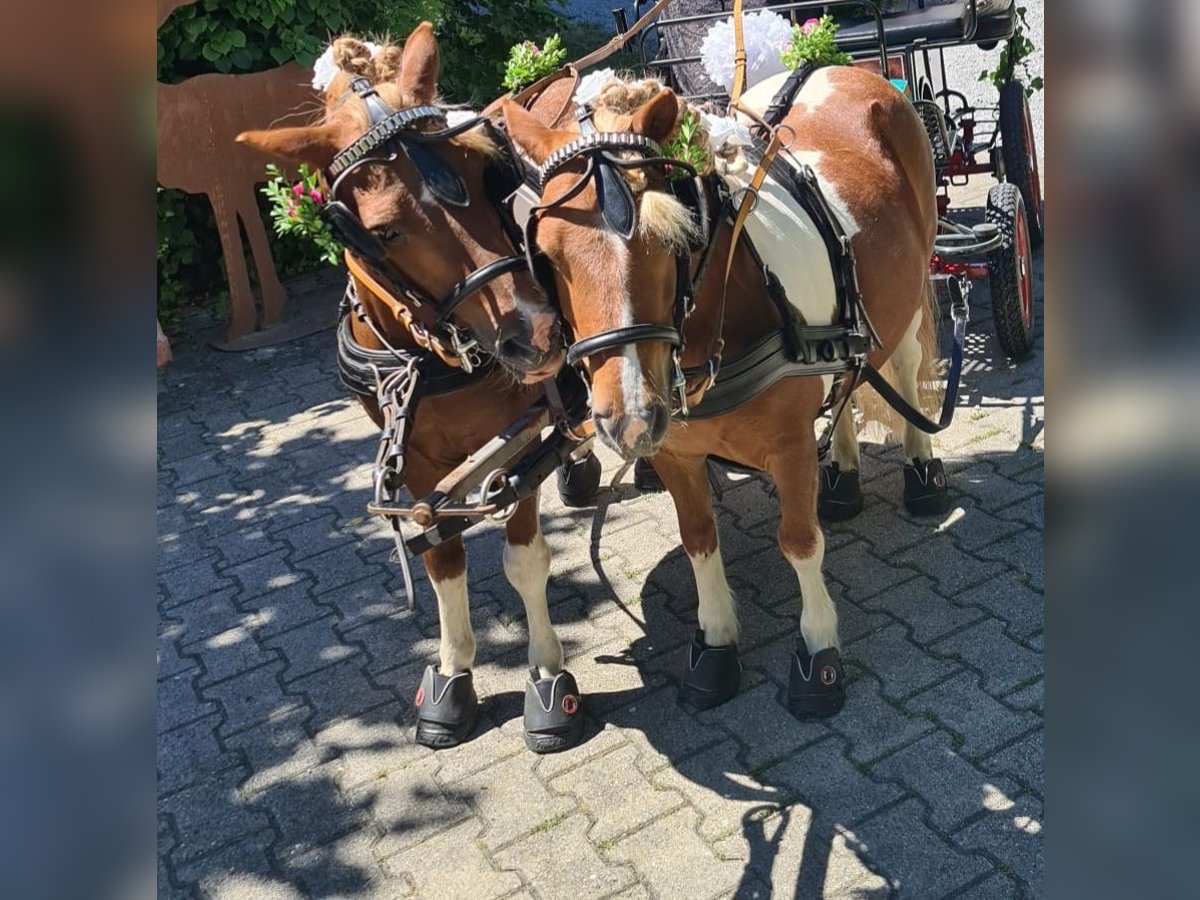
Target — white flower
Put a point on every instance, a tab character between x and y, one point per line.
766	35
725	131
324	69
591	85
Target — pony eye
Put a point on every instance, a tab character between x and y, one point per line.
385	233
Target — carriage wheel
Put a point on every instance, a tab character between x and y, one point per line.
1020	153
1010	271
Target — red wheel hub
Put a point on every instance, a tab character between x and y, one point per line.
1035	179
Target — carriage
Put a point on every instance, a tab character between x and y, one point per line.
909	38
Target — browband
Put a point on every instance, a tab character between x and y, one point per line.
599	140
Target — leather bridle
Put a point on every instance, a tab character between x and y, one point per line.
617	206
392	132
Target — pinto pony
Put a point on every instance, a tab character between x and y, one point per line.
874	165
431	239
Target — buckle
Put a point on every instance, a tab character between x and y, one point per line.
679	383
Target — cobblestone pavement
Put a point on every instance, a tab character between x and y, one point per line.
287	661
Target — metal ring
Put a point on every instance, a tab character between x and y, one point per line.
791	131
497	479
738	195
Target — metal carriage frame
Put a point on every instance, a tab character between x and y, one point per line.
967	140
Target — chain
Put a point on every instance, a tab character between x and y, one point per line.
395	392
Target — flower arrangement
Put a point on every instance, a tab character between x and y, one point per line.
527	62
815	42
765	36
296	209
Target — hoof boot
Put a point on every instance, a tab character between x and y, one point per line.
645	479
711	674
578	481
925	490
446	709
553	712
816	683
840	498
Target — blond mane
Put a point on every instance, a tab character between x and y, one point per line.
354	59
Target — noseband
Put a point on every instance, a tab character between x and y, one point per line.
616	205
393	132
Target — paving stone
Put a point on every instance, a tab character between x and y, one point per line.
370	751
370	599
871	724
346	868
1014	836
971	715
309	810
169	661
191	753
262	575
1031	697
512	801
951	569
674	861
864	574
230	653
903	667
409	807
992	490
392	642
1024	552
278	751
997	887
1003	662
828	783
561	864
310	648
971	528
1030	512
177	702
199	579
251	698
340	691
240	870
283	609
209	815
954	789
1011	599
179	546
917	862
471	876
1023	760
926	612
244	545
886	532
205	616
757	718
599	738
617	805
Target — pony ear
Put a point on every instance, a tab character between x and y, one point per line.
657	119
419	66
535	139
314	145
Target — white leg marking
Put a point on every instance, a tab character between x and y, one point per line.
845	450
717	612
458	640
907	361
818	616
527	568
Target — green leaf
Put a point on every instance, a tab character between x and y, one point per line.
237	38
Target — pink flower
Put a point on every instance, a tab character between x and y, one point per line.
316	196
292	211
810	26
298	189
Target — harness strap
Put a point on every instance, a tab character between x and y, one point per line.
739	56
960	312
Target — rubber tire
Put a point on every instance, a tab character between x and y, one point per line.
1020	157
1005	204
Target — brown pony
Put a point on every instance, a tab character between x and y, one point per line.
435	245
874	165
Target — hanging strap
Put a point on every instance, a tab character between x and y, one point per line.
960	312
739	56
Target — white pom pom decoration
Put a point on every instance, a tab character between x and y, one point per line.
725	131
324	69
591	85
766	36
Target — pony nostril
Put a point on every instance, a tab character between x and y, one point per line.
516	349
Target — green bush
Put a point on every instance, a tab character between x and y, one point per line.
236	36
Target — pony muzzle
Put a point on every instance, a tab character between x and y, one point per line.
637	433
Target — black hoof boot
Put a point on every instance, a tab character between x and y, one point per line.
553	712
816	684
446	708
578	480
925	491
711	674
840	498
645	479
